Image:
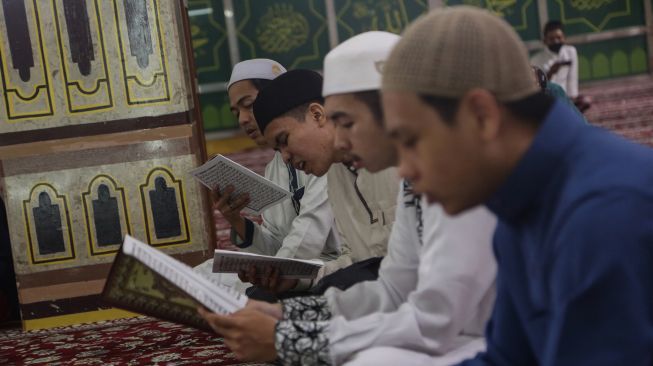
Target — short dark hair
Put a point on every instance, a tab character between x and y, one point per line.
299	112
372	99
532	108
445	107
260	83
552	25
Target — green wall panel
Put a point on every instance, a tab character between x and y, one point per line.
292	32
216	113
612	58
588	16
357	16
521	14
209	35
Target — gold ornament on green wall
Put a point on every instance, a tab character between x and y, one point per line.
379	15
281	29
589	4
498	7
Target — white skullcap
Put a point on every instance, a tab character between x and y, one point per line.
257	68
356	64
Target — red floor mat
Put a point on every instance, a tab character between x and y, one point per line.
137	341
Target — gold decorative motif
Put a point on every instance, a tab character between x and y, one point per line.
27	94
48	226
498	7
377	15
100	184
164	208
281	29
89	92
589	4
145	76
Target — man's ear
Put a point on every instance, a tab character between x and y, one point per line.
316	113
486	111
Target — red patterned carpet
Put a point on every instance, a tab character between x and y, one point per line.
136	341
624	106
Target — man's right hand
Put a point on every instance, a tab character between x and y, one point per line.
556	67
229	207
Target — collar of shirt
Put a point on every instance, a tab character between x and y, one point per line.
526	183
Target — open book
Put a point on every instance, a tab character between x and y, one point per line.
148	281
220	171
228	261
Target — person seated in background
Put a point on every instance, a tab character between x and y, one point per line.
290	113
301	227
435	287
574	242
560	63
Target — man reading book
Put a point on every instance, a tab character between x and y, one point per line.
302	227
290	112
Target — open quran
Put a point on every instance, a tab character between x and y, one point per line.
222	172
228	261
147	281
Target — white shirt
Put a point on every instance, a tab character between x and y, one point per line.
363	204
431	292
567	76
284	232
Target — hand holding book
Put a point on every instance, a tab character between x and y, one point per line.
148	281
222	172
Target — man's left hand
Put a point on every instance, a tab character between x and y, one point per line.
248	333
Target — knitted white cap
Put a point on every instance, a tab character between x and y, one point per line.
449	51
356	64
257	68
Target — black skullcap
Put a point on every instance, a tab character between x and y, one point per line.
287	91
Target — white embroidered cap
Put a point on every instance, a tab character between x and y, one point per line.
257	68
356	64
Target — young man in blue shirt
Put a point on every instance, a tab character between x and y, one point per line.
574	244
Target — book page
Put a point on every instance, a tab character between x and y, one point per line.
219	299
222	172
226	261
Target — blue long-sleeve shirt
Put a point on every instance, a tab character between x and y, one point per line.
575	251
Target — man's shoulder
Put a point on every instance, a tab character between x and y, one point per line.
618	171
568	48
386	175
274	168
567	52
384	183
